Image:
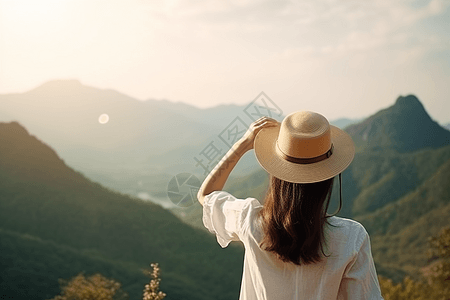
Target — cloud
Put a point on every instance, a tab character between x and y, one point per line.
327	24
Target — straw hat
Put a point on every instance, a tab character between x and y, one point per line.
304	149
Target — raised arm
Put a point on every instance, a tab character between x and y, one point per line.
219	175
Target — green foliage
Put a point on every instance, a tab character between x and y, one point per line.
30	267
95	287
438	273
434	284
399	231
384	177
406	290
431	194
122	229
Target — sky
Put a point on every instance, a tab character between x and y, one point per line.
340	58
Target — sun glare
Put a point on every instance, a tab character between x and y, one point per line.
103	119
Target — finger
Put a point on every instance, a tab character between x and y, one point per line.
267	124
270	121
264	122
264	119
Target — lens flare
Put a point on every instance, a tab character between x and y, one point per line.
103	119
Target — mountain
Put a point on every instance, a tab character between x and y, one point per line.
28	158
65	114
31	267
219	116
60	211
141	140
400	230
223	114
403	127
344	122
377	178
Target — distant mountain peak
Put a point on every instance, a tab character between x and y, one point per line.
409	104
408	101
13	127
404	127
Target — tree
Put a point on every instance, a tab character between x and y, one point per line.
435	281
438	273
406	290
95	287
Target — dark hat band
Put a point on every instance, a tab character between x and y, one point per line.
304	161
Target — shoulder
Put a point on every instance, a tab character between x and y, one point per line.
350	231
347	223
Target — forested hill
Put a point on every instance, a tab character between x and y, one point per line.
26	157
400	230
403	127
67	218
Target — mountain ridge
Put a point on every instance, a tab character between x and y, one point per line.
400	231
68	122
404	127
16	143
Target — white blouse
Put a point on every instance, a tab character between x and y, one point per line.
347	273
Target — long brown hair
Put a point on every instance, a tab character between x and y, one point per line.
294	216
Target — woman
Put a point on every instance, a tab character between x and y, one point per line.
293	249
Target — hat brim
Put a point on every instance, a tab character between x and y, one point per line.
343	153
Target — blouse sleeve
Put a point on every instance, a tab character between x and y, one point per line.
225	215
360	277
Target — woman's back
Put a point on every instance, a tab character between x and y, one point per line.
347	273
